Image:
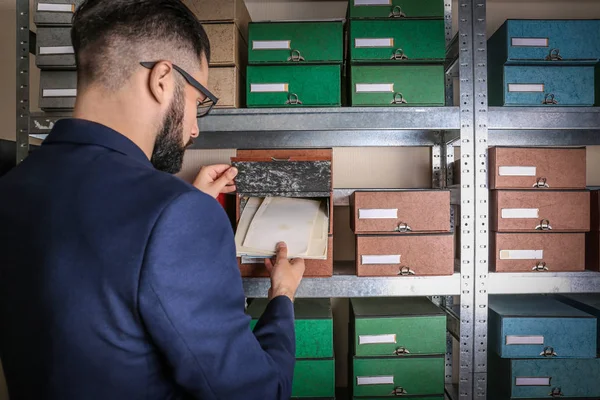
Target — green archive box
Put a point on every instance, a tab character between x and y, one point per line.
400	85
313	324
294	85
404	376
396	8
314	378
296	42
395	41
397	326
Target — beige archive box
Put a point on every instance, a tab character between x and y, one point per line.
227	46
229	85
212	11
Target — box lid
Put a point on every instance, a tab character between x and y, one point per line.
533	306
303	308
394	307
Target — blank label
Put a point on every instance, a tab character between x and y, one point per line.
375	380
372	2
526	87
370	43
543	381
529	42
517	171
376	213
56	7
521	254
271	44
520	213
376	339
56	50
374	88
59	93
379	260
269	87
528	339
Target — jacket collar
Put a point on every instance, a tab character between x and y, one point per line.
80	131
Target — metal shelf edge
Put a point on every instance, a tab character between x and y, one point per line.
543	283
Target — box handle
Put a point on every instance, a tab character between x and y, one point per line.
548	352
403	227
556	392
554	55
401	351
405	271
296	56
540	267
399	391
397	13
280	159
541	183
544	225
550	99
399	99
293	99
399	55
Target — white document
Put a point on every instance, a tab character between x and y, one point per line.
250	210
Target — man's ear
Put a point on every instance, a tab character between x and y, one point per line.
161	82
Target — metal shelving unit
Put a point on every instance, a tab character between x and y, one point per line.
440	128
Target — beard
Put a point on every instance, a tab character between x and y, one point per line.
169	148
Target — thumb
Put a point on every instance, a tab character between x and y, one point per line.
281	251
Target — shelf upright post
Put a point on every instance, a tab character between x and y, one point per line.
22	81
481	198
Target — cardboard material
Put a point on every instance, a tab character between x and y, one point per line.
402	8
563	211
421	210
54	12
227	46
54	49
58	90
520	252
523	168
229	85
208	11
431	254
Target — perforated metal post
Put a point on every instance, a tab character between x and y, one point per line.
436	166
22	139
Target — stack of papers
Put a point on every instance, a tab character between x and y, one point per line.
302	224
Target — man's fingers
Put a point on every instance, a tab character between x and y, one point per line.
226	178
228	189
282	251
269	265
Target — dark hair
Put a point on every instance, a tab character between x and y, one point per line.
110	37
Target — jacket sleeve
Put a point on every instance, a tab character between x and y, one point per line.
191	301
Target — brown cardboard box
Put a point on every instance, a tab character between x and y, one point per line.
431	254
420	210
227	46
592	238
537	252
221	11
228	84
533	211
525	168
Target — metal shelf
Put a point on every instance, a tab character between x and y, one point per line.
543	283
553	118
344	284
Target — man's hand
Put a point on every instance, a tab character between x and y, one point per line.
285	275
216	179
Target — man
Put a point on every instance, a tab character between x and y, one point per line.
118	281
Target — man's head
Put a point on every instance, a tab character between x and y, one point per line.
154	104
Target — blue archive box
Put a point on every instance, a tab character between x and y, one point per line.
539	327
556	84
543	379
545	40
589	303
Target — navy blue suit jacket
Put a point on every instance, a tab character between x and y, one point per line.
118	281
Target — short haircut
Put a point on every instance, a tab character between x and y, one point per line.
111	38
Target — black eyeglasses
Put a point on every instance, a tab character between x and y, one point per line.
209	102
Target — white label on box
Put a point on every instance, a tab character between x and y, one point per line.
372	3
271	44
532	381
520	213
59	93
374	88
269	87
379	260
56	7
375	380
377	213
372	43
376	339
521	254
527	339
56	50
526	87
517	171
529	42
